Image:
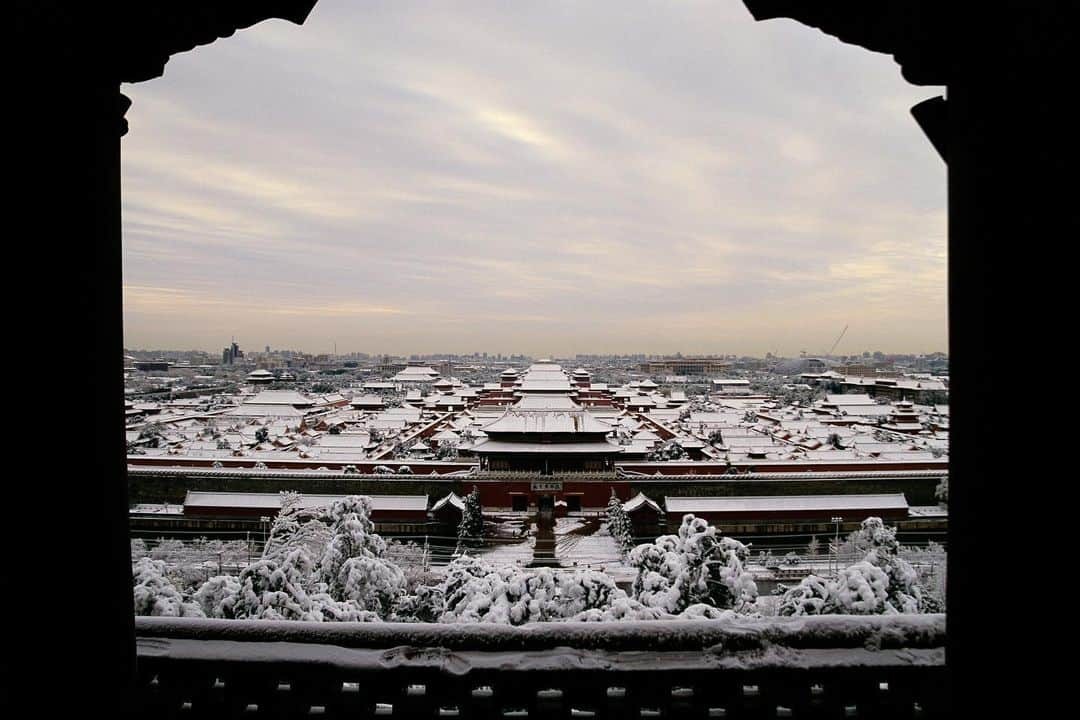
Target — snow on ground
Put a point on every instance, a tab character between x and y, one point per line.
585	543
580	542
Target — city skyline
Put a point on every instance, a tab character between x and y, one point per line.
258	350
586	179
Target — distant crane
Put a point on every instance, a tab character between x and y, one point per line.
829	354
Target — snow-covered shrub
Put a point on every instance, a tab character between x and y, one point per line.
862	589
581	591
810	597
154	594
425	603
696	566
138	549
703	611
619	525
882	583
382	470
404	470
217	597
476	591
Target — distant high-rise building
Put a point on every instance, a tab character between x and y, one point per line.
230	354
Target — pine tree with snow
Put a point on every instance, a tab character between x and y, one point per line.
471	527
619	525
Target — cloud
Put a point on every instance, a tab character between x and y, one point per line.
550	178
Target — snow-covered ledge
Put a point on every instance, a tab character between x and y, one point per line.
784	665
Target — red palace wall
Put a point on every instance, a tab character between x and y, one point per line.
497	494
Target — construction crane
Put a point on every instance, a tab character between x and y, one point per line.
829	354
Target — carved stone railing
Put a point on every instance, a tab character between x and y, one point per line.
826	666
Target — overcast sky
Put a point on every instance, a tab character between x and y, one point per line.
537	176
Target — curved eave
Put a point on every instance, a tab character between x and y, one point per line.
912	31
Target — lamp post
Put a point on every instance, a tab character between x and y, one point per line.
836	542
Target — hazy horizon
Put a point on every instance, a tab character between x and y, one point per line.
376	354
426	179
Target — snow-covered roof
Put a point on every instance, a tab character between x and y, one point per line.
928	511
786	503
156	509
272	501
502	446
344	440
259	410
543	421
641	501
279	397
451	499
546	384
546	402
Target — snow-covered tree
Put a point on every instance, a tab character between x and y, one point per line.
138	549
619	525
296	527
471	527
695	566
445	450
155	594
903	587
279	588
671	450
352	565
941	492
